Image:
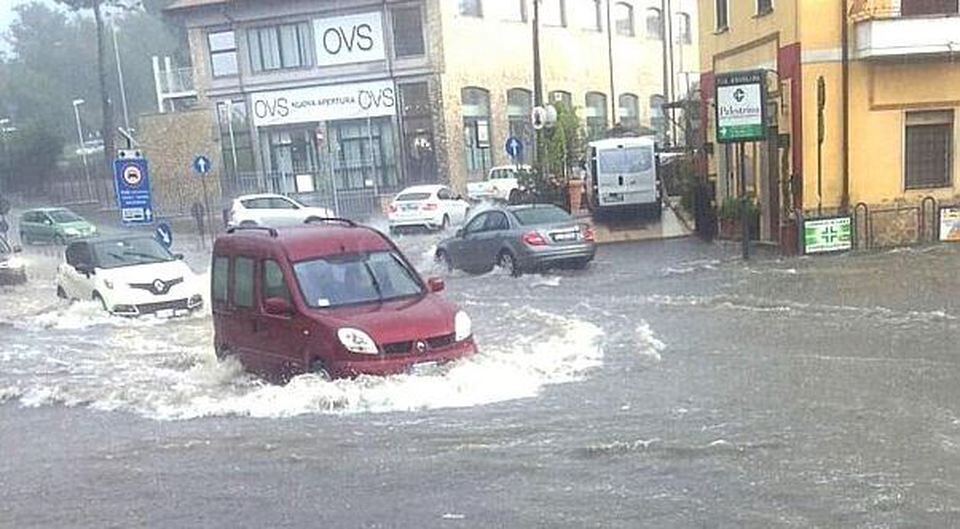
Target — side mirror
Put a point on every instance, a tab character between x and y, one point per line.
17	249
435	284
48	222
178	256
277	307
460	233
85	269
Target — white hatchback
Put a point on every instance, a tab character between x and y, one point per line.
429	206
129	276
272	210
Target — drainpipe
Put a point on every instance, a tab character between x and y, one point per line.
845	104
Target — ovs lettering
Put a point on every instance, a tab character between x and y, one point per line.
383	98
336	39
279	107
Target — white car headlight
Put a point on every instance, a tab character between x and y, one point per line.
71	231
13	262
462	326
357	341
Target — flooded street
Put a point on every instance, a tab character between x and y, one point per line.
669	385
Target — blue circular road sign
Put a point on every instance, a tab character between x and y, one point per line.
514	147
202	165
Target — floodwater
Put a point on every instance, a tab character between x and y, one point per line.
669	385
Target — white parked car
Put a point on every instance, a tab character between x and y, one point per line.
271	210
429	206
501	184
129	276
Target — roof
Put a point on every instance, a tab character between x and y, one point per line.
260	195
46	209
521	207
187	4
431	188
617	142
307	241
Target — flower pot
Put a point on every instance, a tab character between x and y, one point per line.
575	192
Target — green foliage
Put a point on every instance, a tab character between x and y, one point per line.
540	188
31	156
563	144
732	207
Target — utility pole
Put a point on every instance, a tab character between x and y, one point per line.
83	146
537	79
613	92
123	89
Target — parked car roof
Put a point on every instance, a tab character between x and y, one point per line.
431	188
616	142
307	241
46	209
261	195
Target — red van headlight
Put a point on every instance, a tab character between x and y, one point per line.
357	341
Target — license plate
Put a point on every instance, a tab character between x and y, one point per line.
410	207
615	197
424	368
165	313
568	236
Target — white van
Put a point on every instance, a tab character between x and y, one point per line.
621	174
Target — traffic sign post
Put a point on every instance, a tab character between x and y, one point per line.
202	166
132	182
741	103
514	148
164	234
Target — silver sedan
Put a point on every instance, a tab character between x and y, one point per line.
519	239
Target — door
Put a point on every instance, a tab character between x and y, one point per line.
627	175
240	319
285	211
76	284
454	208
465	254
490	240
32	227
279	345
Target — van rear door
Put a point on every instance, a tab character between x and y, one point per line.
626	175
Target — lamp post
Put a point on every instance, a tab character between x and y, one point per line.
4	122
123	89
83	148
537	82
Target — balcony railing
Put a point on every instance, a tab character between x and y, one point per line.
176	81
881	9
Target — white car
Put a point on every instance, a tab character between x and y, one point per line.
272	210
430	206
501	184
129	276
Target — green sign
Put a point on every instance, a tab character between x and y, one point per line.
741	106
827	235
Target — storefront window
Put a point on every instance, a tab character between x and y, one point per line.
363	154
519	106
418	139
235	140
596	114
288	152
476	129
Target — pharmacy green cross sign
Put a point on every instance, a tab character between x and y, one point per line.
827	235
741	106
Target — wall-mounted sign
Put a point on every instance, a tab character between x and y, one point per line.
324	103
741	106
827	235
950	224
349	39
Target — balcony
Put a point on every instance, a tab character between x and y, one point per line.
176	82
905	28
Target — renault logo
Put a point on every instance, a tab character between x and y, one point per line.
159	285
421	346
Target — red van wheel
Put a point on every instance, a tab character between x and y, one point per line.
317	368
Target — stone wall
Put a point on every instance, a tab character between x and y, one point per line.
170	142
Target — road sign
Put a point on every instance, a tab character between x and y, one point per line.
164	234
538	116
202	165
741	106
827	235
132	181
514	147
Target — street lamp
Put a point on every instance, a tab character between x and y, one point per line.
123	89
83	148
4	122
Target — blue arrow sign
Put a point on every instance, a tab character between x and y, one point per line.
514	147
202	165
132	182
164	234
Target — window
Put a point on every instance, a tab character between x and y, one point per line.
909	8
766	6
722	15
591	14
418	138
236	139
353	279
515	10
552	13
243	282
445	194
541	215
684	34
496	221
629	112
471	8
476	225
274	285
407	32
658	120
631	160
623	17
223	53
220	281
519	106
276	47
476	129
563	98
596	114
654	24
929	149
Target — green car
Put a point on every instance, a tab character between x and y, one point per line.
56	225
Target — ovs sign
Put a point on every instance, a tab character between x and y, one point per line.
349	39
324	103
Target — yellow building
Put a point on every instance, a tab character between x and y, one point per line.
889	125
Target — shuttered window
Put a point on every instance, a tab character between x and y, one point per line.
929	149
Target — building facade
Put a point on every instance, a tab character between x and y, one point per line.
887	134
365	97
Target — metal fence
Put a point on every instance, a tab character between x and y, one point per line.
898	225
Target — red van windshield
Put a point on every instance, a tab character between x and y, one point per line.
352	279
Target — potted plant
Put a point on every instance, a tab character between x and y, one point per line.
731	217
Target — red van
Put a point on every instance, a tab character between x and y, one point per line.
332	298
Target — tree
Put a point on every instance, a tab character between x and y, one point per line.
106	108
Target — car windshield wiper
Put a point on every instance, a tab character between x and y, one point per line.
376	284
